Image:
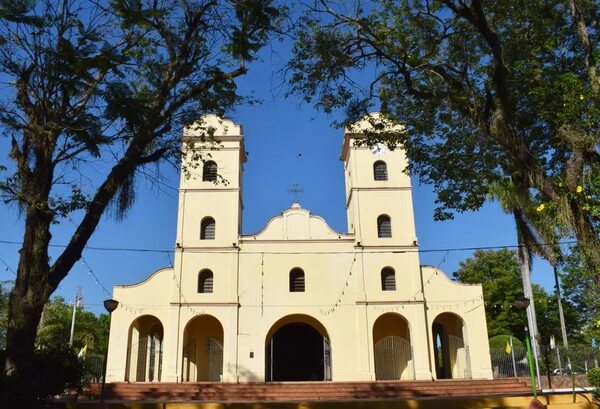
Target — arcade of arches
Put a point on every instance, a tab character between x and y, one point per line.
297	348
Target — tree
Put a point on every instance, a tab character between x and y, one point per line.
4	291
499	272
579	289
55	327
491	94
104	82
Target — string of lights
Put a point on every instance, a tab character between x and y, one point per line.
95	277
342	293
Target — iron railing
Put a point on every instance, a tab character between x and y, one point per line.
552	361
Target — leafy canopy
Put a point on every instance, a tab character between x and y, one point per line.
492	94
499	273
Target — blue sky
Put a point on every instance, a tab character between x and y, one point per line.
276	131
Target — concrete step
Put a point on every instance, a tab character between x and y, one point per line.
308	391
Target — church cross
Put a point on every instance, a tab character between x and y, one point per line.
295	190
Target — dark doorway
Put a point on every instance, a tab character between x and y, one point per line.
440	354
297	352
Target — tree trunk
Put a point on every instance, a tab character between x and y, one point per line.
31	289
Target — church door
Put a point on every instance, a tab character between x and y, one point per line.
298	352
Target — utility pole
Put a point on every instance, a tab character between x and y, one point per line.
531	318
76	304
561	314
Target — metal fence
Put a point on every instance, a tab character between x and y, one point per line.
93	368
552	361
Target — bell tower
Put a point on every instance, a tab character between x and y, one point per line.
378	191
210	196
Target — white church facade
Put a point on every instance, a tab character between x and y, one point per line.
296	301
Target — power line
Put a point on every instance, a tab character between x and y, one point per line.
8	268
438	250
98	248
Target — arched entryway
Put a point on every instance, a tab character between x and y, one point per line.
392	348
451	352
144	351
202	350
298	349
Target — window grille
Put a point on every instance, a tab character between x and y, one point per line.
205	281
380	170
388	279
296	281
207	229
384	226
209	171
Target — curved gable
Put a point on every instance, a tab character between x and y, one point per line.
297	223
212	124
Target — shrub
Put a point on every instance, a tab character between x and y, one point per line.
49	372
594	378
500	341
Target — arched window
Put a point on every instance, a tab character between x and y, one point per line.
296	280
205	281
380	170
388	279
384	226
209	171
207	229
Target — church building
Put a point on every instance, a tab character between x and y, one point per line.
296	301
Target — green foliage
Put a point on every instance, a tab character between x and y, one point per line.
579	286
499	273
5	287
495	97
55	327
594	377
49	372
104	82
500	341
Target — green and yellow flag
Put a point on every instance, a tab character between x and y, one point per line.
508	349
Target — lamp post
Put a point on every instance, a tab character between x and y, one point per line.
110	305
521	303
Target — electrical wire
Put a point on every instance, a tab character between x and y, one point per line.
408	250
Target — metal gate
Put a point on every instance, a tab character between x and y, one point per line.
144	360
140	374
326	360
460	362
215	360
155	369
393	359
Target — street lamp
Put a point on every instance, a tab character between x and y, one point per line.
521	303
110	305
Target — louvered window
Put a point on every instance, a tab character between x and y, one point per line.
384	226
209	172
296	280
205	281
207	229
388	279
380	170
